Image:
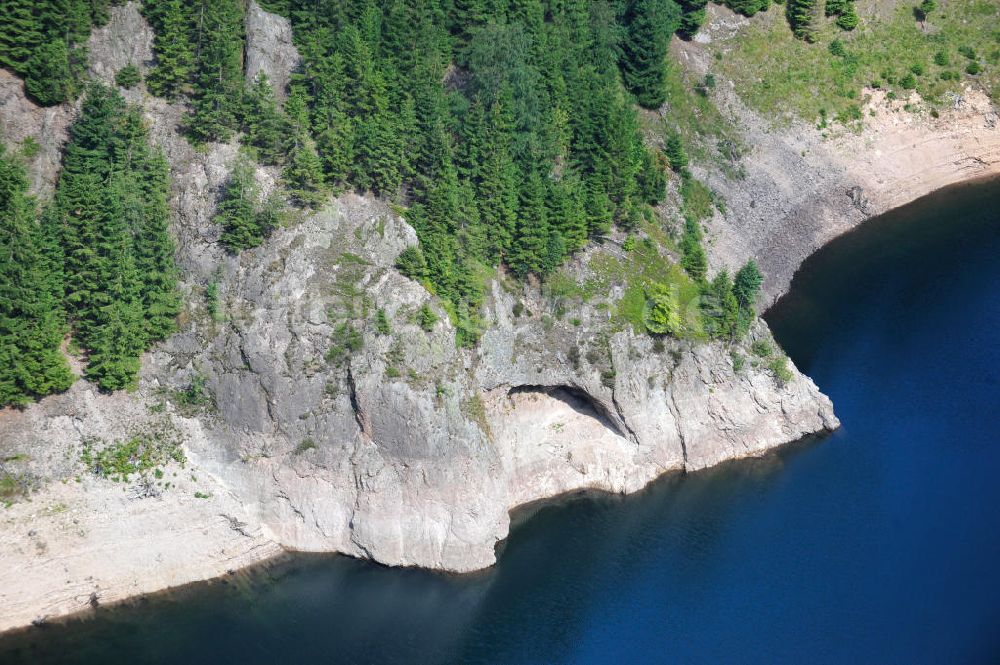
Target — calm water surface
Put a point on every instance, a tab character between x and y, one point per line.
878	544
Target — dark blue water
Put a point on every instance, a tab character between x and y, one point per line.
878	544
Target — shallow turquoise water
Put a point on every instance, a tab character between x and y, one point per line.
877	544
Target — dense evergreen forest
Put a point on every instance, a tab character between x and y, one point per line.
45	42
97	261
506	130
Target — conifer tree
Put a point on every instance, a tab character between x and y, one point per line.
303	175
692	16
111	202
174	54
531	246
145	198
676	155
801	17
20	33
218	69
650	24
746	284
848	20
567	213
237	213
113	353
31	327
693	257
497	184
719	306
835	7
48	77
265	127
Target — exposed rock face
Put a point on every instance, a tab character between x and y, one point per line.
396	446
21	119
269	48
126	39
417	450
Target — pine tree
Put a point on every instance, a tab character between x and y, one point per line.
174	54
31	327
531	246
20	33
218	69
801	17
265	127
650	24
48	77
238	209
746	284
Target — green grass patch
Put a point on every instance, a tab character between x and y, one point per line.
776	73
708	135
136	456
304	446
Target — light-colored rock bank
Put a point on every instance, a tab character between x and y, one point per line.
406	449
799	189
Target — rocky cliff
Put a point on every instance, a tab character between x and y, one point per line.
395	444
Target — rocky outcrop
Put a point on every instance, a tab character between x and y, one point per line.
319	430
269	48
21	121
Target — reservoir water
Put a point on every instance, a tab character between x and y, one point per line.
877	544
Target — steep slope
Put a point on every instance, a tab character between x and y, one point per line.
395	444
798	186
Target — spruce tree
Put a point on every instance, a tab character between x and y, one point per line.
719	306
111	203
531	246
237	213
174	54
303	175
20	33
218	69
497	183
848	20
746	284
265	127
146	200
801	16
676	155
693	257
113	351
31	327
692	17
48	76
650	24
